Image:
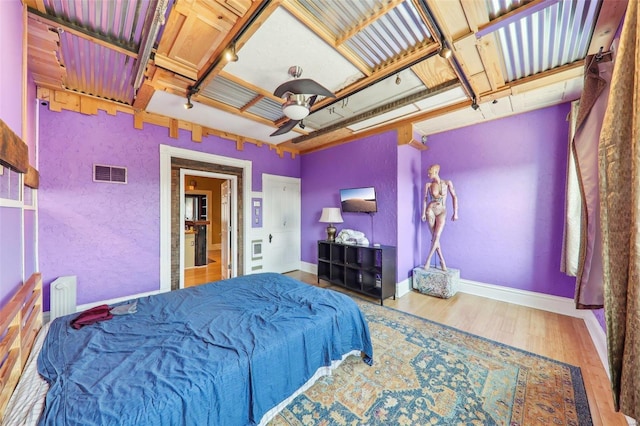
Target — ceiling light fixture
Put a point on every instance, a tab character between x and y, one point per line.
398	80
188	105
296	107
474	104
444	51
301	124
230	55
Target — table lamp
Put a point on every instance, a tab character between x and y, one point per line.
331	215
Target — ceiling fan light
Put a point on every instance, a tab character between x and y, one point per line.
296	107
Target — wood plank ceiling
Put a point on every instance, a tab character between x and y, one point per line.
379	57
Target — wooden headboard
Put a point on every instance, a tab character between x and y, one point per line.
20	321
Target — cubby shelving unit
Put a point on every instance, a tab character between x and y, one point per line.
369	270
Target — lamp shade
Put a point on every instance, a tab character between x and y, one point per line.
296	107
331	215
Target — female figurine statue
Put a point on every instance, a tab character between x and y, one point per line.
435	210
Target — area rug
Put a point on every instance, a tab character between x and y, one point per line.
425	373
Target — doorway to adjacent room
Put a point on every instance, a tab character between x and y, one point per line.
172	162
207	231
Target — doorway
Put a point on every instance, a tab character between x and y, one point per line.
207	242
172	160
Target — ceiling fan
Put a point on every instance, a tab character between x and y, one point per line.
297	105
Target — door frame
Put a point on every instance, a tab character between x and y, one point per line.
166	153
233	253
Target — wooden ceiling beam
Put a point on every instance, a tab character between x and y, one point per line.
251	103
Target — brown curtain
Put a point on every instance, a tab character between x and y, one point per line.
619	158
584	153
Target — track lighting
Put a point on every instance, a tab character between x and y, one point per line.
474	104
301	124
444	51
398	80
188	105
230	54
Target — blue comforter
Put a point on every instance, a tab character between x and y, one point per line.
219	354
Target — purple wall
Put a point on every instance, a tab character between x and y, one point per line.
509	176
109	234
367	162
11	249
409	211
11	30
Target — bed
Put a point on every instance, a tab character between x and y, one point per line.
233	352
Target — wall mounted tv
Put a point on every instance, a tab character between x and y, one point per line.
358	200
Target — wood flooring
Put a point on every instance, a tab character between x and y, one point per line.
556	336
204	274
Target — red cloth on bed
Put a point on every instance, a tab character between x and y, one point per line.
90	316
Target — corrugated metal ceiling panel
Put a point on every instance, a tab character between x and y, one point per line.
395	32
267	108
230	93
398	31
97	70
93	68
338	17
564	28
120	20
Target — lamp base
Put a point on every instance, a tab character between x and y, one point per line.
331	233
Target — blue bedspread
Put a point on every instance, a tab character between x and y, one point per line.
219	354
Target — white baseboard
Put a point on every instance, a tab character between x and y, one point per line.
311	268
403	287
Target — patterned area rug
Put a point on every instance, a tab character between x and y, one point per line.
425	373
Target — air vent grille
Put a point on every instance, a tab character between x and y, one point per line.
111	174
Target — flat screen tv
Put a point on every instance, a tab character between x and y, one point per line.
358	200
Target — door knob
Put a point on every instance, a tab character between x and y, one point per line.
270	237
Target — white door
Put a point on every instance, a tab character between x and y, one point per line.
281	223
225	229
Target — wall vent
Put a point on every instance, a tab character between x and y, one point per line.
112	174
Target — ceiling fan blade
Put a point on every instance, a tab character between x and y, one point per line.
302	86
286	127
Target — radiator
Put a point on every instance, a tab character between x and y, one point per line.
62	297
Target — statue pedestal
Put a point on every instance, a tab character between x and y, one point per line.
436	282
